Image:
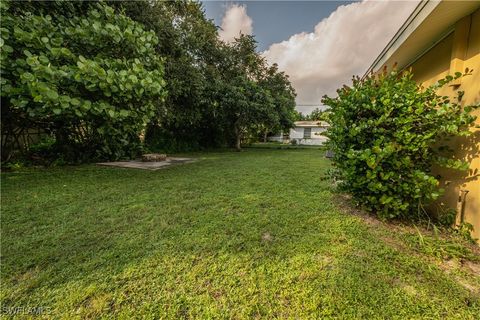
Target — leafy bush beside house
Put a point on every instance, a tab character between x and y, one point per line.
384	131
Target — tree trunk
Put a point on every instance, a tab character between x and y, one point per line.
238	138
265	136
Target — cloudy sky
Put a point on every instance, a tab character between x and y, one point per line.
319	44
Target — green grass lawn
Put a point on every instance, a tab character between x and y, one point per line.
255	234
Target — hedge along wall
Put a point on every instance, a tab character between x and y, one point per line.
383	132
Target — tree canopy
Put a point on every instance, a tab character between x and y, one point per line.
219	93
316	115
98	76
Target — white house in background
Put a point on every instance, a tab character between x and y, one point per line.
304	133
309	132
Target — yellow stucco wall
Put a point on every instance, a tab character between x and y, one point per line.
435	64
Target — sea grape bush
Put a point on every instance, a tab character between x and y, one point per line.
91	78
385	131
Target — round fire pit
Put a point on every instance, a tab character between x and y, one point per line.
154	157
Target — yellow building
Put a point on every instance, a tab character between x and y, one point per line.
440	38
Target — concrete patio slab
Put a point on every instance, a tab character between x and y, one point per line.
138	164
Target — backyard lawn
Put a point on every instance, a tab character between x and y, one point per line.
255	234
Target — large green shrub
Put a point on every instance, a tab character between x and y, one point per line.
384	132
89	76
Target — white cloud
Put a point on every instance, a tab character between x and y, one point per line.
342	45
234	22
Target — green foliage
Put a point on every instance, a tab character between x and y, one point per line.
88	75
45	144
383	132
445	218
254	97
442	247
315	115
188	119
13	165
219	93
465	230
277	84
